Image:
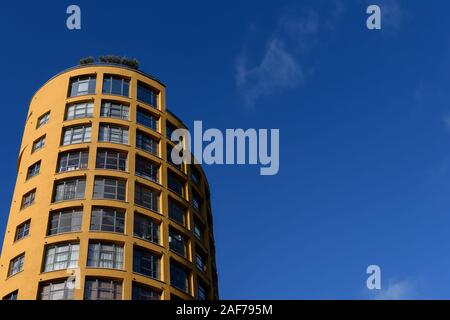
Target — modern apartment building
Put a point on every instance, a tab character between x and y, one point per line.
99	211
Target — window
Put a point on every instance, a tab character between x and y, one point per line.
98	289
111	160
147	94
16	265
82	85
11	296
175	184
196	201
33	170
177	242
195	175
146	197
109	188
38	144
77	134
142	292
198	233
69	190
108	219
42	120
28	199
65	221
80	110
114	110
146	143
61	256
22	230
177	212
179	277
145	263
116	85
72	161
169	157
147	119
200	262
146	169
113	134
57	291
202	293
170	128
146	228
105	255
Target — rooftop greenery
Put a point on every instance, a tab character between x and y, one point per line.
111	59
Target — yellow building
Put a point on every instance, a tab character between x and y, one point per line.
99	211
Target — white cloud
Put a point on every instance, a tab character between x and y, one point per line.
277	70
279	67
397	290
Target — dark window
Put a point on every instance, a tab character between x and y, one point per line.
169	157
147	119
146	169
179	277
109	188
82	85
146	143
38	144
146	228
113	134
65	221
105	255
196	201
108	219
198	233
147	94
69	190
43	120
200	261
146	263
114	110
22	230
98	289
34	170
170	128
79	110
146	197
28	199
195	175
61	256
177	242
177	212
202	293
116	85
11	296
79	134
73	160
111	160
57	291
16	265
175	184
143	292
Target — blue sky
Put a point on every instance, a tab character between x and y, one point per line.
364	119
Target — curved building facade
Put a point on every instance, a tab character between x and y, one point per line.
99	211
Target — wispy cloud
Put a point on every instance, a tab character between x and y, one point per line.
446	121
397	290
279	67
